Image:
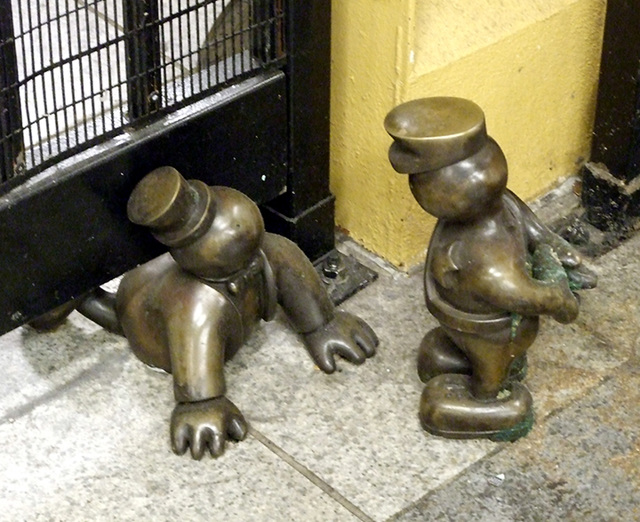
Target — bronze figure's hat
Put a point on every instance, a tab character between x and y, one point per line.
431	133
176	210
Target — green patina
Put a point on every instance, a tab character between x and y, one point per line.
544	265
515	432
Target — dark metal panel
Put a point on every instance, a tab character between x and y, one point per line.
611	194
11	143
618	109
306	211
65	230
308	70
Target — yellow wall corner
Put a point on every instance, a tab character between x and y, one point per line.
533	71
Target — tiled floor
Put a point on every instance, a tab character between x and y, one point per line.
84	425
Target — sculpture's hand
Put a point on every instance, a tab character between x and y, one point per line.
568	256
568	309
345	335
581	278
206	425
548	267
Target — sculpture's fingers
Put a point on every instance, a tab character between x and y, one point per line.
180	437
198	443
366	338
215	441
582	278
367	345
566	253
238	428
325	361
350	351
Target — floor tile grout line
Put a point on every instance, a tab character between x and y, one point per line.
310	475
450	480
87	374
595	333
557	411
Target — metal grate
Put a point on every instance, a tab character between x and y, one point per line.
75	72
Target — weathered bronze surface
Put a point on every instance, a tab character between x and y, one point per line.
492	268
190	310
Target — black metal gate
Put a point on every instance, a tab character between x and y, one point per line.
75	73
96	93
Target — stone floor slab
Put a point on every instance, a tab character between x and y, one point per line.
357	429
37	364
612	310
583	464
100	451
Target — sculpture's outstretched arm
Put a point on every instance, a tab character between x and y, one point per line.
301	292
515	291
203	418
305	301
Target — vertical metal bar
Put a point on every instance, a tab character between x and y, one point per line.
11	142
269	36
73	103
305	213
308	67
617	111
92	79
181	52
43	120
64	109
143	56
259	44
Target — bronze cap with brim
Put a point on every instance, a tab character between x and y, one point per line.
176	210
431	133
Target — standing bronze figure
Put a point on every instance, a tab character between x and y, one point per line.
492	268
190	310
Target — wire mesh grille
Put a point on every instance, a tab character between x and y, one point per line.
75	72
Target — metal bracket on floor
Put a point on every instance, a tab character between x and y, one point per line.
343	275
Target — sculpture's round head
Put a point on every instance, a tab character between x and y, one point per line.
211	232
231	241
455	170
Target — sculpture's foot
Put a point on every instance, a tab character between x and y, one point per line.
97	305
449	409
439	355
54	318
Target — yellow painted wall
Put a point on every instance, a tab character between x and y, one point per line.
532	66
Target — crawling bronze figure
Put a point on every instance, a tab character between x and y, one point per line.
492	268
190	310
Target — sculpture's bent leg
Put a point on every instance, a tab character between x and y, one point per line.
485	404
97	305
438	354
53	319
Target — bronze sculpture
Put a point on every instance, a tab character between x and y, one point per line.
492	268
190	310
